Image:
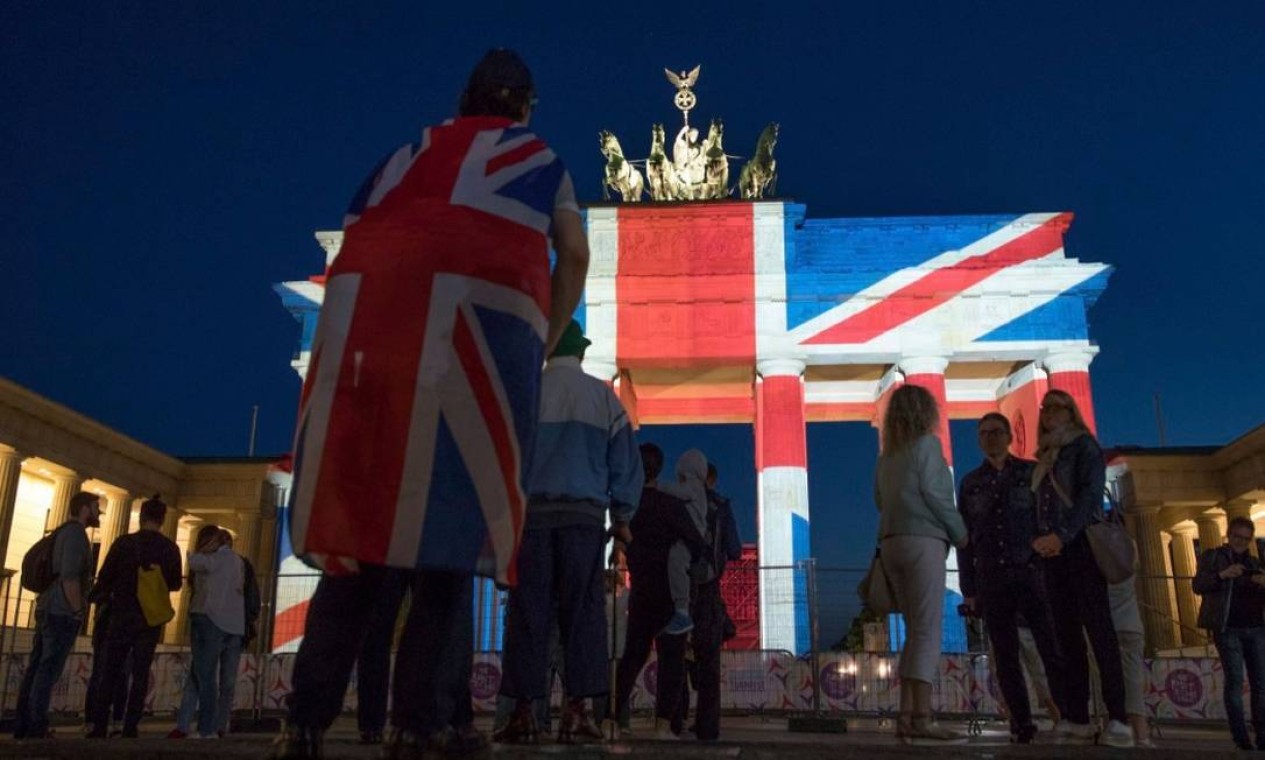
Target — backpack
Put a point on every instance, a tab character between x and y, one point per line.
153	595
37	564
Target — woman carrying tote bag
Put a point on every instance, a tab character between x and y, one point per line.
1069	480
918	520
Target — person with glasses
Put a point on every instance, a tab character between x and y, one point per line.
1068	481
1232	584
1000	571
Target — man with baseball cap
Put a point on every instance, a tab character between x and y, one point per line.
444	263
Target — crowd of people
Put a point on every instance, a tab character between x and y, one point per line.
534	477
132	597
1029	571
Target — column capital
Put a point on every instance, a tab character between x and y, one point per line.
605	370
8	453
923	365
1186	531
780	367
331	242
1209	515
1069	360
1144	510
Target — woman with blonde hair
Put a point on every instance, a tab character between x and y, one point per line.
1069	481
918	520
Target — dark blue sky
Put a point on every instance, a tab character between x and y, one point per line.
162	164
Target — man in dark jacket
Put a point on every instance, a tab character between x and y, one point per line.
1001	577
1232	584
129	632
707	610
661	520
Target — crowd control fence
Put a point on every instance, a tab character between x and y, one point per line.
802	644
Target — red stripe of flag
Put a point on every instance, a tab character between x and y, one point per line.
481	385
521	153
921	296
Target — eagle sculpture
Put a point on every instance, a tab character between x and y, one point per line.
684	80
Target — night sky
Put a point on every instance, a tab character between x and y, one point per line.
163	164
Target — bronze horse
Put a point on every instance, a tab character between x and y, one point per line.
759	176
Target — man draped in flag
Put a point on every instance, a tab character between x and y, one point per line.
419	411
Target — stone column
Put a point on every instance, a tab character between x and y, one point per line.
10	475
118	513
65	486
1183	574
1209	524
171	526
782	513
1240	508
928	372
178	630
1019	399
1069	372
1153	593
247	543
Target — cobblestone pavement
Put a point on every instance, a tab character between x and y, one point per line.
748	738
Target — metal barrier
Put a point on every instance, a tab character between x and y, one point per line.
838	660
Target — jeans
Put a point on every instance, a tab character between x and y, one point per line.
1078	599
1002	596
649	610
54	638
127	657
672	700
562	564
1239	647
210	644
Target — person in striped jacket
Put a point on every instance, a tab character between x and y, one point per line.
586	466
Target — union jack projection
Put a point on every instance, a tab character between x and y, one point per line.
749	312
419	407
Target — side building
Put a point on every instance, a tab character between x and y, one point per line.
1177	502
49	452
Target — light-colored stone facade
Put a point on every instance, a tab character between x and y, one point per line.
48	452
1177	502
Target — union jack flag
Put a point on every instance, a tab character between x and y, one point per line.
419	407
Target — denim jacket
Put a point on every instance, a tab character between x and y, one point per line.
1082	475
1000	515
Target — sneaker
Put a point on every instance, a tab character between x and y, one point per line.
923	732
679	624
663	731
1023	734
1076	733
1117	735
177	734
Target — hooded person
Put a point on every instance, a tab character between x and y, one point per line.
691	488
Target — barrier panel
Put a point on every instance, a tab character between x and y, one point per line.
848	664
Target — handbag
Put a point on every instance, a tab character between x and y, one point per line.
875	588
1109	540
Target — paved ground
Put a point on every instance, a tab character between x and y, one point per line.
746	737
